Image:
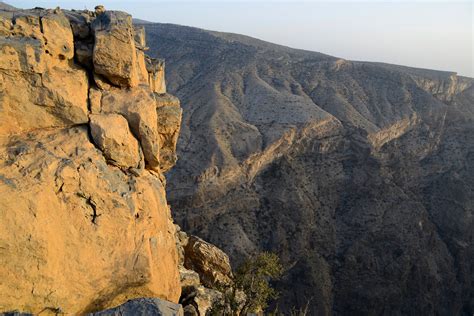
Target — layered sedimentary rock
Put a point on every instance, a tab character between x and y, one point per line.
85	137
359	175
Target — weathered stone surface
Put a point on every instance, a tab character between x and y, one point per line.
169	120
156	74
138	106
40	87
58	36
95	235
201	298
99	9
139	37
372	220
114	54
211	263
166	99
190	310
83	53
189	278
5	25
144	307
112	135
101	82
15	313
181	241
143	122
141	68
169	124
26	24
65	94
78	234
205	298
155	120
80	23
95	100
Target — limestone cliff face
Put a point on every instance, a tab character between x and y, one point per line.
86	132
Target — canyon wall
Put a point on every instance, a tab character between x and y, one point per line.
358	175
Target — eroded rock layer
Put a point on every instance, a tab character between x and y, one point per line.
86	132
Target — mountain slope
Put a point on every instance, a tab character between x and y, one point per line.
6	7
359	175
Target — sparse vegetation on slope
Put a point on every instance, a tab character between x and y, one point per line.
357	174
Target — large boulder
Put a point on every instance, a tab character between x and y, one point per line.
77	234
188	278
144	123
169	124
210	262
58	36
156	74
154	119
144	307
139	107
201	298
111	133
40	86
114	54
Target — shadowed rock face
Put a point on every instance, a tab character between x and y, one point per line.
84	142
359	175
210	262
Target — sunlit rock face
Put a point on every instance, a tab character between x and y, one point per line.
85	137
359	175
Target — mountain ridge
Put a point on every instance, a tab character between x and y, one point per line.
242	38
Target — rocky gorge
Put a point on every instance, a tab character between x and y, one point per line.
358	175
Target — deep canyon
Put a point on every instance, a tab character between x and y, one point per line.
358	175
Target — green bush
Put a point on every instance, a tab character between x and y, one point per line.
253	278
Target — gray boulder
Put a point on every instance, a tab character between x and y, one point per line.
144	307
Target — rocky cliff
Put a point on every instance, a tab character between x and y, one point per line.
359	175
86	132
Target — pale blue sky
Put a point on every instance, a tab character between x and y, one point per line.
427	34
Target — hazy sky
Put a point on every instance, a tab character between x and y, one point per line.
426	34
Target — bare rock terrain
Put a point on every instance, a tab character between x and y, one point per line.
86	132
359	175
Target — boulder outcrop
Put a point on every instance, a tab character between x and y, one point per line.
205	274
113	137
156	74
85	137
211	263
40	86
143	307
114	55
